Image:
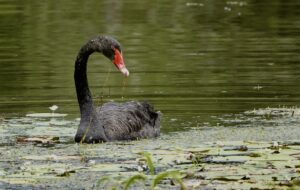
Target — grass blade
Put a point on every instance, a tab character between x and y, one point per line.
133	179
169	174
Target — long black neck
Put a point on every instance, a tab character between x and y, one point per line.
84	96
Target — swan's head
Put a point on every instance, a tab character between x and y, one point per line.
111	48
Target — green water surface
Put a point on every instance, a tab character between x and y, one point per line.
193	60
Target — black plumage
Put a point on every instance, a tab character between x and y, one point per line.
112	121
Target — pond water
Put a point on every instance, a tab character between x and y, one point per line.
193	60
223	73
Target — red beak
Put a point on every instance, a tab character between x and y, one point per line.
119	63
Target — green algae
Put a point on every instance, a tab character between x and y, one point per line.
168	162
220	171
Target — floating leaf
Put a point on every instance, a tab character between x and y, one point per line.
41	140
65	173
46	115
255	155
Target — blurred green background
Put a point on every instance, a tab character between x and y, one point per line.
193	60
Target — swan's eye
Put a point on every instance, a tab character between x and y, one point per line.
109	53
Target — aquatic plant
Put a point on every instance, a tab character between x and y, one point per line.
147	157
133	179
174	175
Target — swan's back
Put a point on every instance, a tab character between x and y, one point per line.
129	121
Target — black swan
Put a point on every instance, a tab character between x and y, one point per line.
112	121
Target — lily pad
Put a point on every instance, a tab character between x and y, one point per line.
46	115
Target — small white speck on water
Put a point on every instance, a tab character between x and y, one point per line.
227	9
53	108
258	87
192	4
275	144
91	162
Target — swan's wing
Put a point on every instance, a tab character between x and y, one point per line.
130	120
